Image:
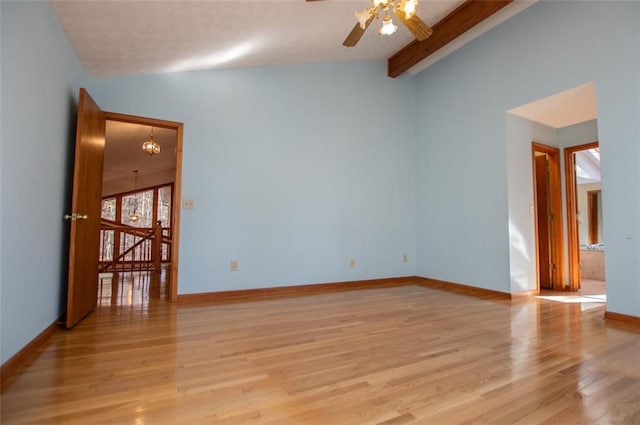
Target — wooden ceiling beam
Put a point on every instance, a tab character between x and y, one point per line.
456	23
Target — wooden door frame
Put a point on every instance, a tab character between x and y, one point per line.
555	188
172	289
571	186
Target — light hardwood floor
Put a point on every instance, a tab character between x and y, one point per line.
388	356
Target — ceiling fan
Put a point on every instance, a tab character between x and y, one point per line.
405	11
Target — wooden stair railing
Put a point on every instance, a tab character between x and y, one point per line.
125	228
150	235
147	256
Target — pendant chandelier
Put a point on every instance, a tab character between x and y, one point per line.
134	217
150	146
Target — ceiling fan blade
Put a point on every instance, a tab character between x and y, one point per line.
419	29
356	33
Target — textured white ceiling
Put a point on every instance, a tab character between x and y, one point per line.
113	38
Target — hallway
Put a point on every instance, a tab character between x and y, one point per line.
135	289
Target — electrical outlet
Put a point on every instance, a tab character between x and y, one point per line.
352	263
188	204
404	258
233	266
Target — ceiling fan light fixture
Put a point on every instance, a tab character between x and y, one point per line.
404	10
388	27
363	17
409	7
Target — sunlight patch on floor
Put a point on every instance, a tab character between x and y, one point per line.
575	299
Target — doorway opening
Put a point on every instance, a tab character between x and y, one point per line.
140	211
85	217
563	119
584	218
547	195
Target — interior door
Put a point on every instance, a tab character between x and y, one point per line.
85	213
543	214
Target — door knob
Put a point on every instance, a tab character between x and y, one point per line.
75	216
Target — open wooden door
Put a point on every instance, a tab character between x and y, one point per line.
84	241
548	221
543	221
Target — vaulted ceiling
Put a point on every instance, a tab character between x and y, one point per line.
129	37
114	38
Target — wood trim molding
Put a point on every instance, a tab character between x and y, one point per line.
176	205
134	119
473	291
592	215
308	289
291	291
571	191
610	315
25	355
462	19
572	224
524	294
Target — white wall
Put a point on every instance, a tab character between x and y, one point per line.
462	202
578	134
40	81
520	133
294	170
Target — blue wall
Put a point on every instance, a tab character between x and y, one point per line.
40	80
462	206
294	170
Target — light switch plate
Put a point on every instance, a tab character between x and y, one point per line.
188	204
